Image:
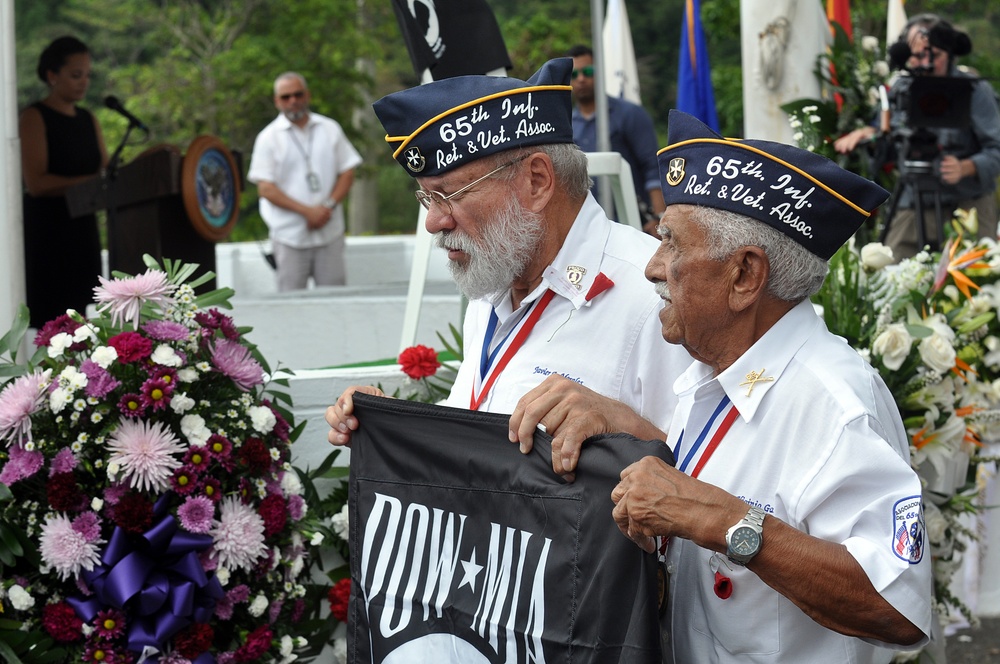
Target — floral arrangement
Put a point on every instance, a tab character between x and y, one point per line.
148	507
929	325
851	73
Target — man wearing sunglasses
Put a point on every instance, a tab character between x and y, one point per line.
556	289
630	130
303	166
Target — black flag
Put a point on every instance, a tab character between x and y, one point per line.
463	550
451	37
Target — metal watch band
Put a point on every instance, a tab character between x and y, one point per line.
755	516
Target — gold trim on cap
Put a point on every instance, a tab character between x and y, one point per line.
737	144
506	93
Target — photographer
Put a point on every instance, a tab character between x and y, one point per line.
966	161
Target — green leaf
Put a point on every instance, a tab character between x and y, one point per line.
11	342
8	536
8	653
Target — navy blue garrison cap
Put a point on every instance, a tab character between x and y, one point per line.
445	124
802	194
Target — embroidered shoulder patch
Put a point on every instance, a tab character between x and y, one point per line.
908	529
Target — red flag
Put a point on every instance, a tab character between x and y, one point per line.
840	11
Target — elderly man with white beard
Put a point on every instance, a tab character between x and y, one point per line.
557	293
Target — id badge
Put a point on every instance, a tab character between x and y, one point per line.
313	181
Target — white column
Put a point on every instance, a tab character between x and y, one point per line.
12	244
780	42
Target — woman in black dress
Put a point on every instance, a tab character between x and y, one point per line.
61	145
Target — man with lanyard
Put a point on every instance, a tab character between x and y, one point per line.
556	289
794	520
303	166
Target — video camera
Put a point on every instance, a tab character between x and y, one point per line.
921	106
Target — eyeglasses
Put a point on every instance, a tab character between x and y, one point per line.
428	197
587	71
298	94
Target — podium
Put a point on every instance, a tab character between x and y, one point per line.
166	205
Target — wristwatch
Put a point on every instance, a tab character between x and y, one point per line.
330	203
743	541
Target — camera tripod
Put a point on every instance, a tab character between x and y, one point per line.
920	177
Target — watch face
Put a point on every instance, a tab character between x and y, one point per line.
745	541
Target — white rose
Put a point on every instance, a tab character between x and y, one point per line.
85	333
187	375
164	355
58	345
296	568
875	256
291	485
287	644
222	574
881	68
104	356
869	43
181	403
258	606
58	398
193	428
893	345
20	598
937	353
113	469
96	504
317	539
262	418
340	523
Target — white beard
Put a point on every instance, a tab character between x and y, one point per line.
509	240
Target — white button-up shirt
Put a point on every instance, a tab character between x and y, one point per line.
611	343
819	444
285	154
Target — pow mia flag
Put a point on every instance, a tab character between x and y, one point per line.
451	37
465	551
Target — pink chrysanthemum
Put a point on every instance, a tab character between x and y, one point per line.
125	297
65	550
232	359
21	399
166	330
99	381
196	514
21	465
88	524
64	461
238	535
145	454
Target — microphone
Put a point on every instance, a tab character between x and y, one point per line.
114	104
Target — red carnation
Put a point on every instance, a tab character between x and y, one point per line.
340	596
58	325
254	455
419	362
131	346
63	493
258	643
194	640
133	513
272	510
62	623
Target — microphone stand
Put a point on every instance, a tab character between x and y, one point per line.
115	252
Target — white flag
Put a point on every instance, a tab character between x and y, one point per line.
621	76
895	22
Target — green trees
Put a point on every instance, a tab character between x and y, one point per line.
191	67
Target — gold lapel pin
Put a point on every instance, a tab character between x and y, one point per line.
755	377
